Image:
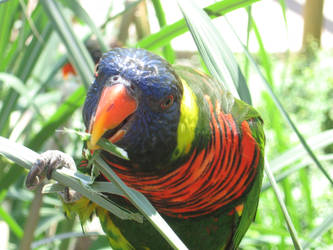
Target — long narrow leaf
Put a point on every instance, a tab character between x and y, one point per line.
24	69
82	14
284	112
7	15
290	224
295	168
265	60
168	52
298	152
128	7
77	51
13	82
166	34
214	51
284	11
63	236
26	157
326	225
13	225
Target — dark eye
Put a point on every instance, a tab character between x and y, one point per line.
167	102
114	79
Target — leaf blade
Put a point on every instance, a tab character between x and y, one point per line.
214	51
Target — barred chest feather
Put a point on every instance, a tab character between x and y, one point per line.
212	178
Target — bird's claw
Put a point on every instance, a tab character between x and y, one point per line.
44	166
70	195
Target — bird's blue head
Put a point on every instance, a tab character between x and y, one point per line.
135	103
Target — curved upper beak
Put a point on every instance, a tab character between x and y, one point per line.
114	106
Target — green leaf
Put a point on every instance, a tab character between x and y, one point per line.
326	225
167	33
107	187
286	215
13	225
298	152
78	53
13	82
10	177
83	15
104	143
286	173
214	51
264	56
284	11
7	17
63	236
168	52
113	149
25	65
83	135
128	7
284	113
65	177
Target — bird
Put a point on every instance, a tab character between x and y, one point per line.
195	151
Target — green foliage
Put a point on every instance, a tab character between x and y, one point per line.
36	41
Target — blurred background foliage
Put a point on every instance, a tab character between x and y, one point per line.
48	50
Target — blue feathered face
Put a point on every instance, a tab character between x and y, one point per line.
135	103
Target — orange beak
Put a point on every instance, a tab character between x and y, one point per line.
114	106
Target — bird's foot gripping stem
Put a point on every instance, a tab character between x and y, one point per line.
43	167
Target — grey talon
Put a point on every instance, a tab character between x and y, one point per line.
45	164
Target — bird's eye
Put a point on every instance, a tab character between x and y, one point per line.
167	102
114	78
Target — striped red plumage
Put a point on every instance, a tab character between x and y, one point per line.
211	178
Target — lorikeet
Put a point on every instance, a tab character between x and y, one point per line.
195	151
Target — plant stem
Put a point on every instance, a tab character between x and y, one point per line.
32	219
